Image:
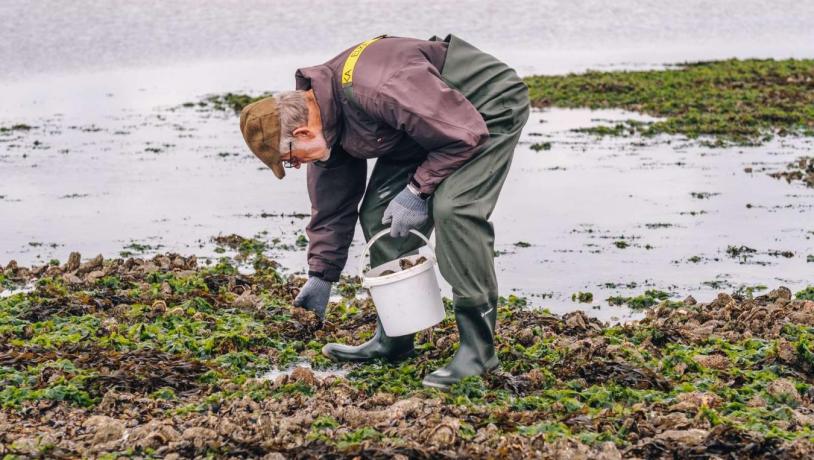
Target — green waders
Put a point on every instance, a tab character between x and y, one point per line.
461	206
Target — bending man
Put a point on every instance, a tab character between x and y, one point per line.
443	118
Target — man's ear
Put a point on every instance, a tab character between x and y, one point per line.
304	132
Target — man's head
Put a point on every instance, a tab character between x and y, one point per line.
286	127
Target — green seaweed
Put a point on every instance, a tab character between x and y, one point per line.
805	294
731	101
176	345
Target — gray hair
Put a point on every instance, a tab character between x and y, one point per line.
293	110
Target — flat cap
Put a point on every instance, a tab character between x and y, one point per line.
260	125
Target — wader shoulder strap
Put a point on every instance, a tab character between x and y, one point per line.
350	65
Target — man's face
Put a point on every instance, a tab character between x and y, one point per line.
308	145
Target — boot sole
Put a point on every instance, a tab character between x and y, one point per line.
437	386
441	386
394	359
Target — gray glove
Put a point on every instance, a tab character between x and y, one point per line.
314	296
405	211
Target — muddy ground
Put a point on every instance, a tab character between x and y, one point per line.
164	357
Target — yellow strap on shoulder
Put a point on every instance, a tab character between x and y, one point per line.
353	57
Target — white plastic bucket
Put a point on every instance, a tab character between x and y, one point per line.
407	301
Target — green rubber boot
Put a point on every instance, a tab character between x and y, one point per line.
476	354
379	346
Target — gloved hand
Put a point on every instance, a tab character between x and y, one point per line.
405	211
314	296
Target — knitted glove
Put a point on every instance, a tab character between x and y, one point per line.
314	296
405	211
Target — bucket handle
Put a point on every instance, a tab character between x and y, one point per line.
381	234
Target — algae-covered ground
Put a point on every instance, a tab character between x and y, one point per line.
740	101
165	357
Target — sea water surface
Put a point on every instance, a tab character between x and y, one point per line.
113	158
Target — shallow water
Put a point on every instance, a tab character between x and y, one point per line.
39	37
113	159
320	374
172	178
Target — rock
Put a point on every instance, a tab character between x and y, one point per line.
382	399
159	306
784	390
690	300
799	448
153	435
716	361
578	321
608	451
274	456
723	299
691	402
246	299
700	333
756	401
91	265
105	428
149	267
110	325
444	434
525	337
304	375
671	421
802	418
780	293
73	262
201	438
536	376
805	317
163	261
786	351
27	445
690	437
178	262
70	278
567	448
93	276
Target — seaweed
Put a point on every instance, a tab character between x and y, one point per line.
733	101
161	357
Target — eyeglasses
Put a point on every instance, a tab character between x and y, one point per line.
288	163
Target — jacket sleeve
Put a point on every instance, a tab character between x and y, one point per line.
439	118
335	189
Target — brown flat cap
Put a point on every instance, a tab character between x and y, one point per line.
260	125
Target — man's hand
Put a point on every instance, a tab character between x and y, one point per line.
405	211
314	296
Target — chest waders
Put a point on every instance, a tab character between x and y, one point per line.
461	206
380	346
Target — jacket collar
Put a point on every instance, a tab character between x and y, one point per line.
321	79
